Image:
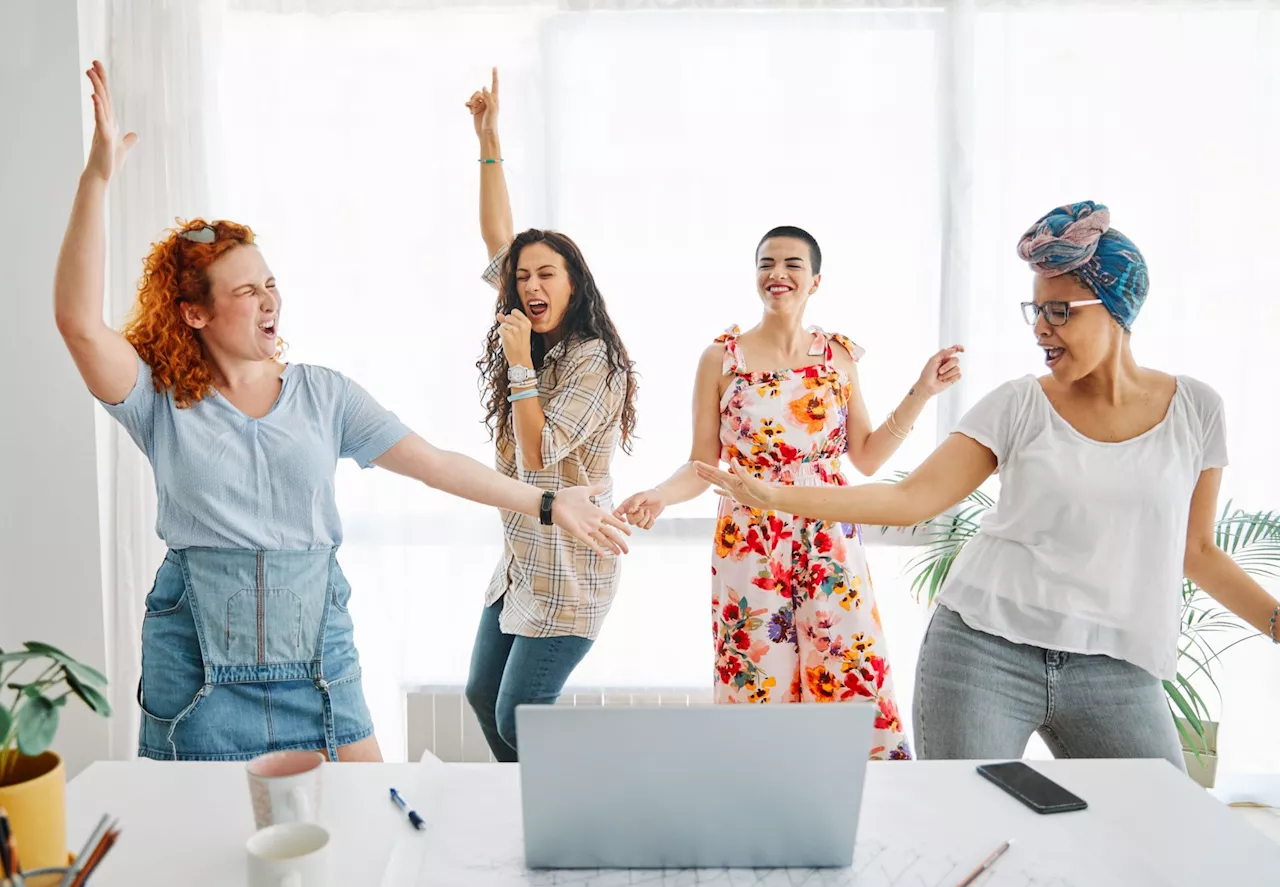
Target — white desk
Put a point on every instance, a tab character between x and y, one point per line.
1147	824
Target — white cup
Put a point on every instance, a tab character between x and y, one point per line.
293	854
284	786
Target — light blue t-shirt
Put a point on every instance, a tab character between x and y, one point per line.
224	480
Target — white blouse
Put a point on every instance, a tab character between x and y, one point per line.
1083	551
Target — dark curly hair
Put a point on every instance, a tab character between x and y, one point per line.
586	318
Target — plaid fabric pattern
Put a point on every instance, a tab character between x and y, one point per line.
493	271
553	584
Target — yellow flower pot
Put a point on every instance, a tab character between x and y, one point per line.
34	795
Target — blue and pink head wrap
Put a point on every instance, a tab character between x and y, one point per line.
1079	239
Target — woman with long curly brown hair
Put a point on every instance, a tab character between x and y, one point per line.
560	399
247	641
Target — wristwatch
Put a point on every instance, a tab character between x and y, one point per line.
518	375
544	510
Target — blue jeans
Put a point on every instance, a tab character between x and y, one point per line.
509	670
979	696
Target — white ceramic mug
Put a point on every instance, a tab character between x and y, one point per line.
292	854
285	787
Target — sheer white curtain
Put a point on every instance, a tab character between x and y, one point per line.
348	147
160	60
916	141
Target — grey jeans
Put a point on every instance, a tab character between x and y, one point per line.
980	696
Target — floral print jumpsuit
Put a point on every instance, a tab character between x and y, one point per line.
795	617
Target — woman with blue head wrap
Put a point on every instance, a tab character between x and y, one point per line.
1078	240
1060	617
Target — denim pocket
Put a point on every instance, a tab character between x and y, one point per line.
263	628
172	667
168	593
340	590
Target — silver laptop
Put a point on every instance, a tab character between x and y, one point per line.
692	787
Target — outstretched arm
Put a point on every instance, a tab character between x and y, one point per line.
496	226
1213	569
107	362
871	447
462	476
953	471
642	509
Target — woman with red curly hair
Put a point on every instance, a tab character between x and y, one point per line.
247	642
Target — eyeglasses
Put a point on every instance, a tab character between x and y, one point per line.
1056	313
207	234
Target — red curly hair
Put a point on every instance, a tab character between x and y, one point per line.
175	272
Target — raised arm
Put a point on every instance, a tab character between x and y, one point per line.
643	509
870	447
462	476
107	362
496	226
1215	571
954	470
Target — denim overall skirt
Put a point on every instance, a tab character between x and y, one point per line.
246	652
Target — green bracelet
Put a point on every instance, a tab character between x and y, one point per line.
490	160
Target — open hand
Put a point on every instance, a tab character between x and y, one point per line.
739	486
574	513
109	148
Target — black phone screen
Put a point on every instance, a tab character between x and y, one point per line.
1031	787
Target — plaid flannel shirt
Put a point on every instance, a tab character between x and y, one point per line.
553	584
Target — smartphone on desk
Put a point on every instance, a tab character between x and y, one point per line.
1031	787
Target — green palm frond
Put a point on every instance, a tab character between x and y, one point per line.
943	538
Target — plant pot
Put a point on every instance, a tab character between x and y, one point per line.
1204	769
34	797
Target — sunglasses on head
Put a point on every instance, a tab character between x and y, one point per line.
1056	313
207	234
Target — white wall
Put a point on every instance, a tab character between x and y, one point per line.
50	558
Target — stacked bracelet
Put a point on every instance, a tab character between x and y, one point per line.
522	395
894	428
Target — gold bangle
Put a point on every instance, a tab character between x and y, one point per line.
894	428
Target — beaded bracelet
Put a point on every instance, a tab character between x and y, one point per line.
1272	630
490	160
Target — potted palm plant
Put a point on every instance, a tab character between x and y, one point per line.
1251	538
32	778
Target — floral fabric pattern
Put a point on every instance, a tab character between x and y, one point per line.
794	616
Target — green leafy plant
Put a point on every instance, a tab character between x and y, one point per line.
1252	539
29	723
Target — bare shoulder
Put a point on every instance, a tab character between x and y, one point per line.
1158	381
711	372
843	361
712	357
